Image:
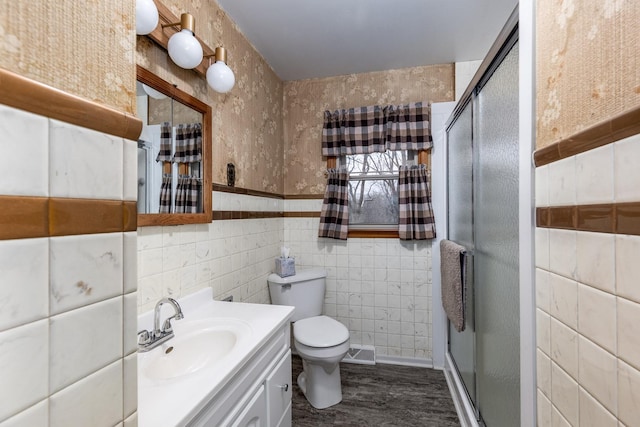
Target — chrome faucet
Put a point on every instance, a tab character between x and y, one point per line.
148	340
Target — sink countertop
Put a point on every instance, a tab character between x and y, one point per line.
176	401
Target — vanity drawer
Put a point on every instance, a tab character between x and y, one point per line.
279	387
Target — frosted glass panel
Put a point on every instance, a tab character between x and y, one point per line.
496	247
460	193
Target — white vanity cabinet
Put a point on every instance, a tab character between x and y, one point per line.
259	394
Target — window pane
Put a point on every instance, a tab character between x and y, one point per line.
373	202
376	163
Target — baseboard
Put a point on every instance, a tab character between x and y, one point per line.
405	361
464	408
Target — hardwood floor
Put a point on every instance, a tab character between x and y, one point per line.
380	395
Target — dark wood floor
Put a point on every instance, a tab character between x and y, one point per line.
380	395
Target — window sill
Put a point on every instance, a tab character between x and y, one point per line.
373	234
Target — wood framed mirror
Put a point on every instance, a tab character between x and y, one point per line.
174	154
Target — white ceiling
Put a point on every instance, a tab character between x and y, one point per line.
304	39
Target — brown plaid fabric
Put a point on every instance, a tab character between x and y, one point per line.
374	129
334	218
165	143
416	213
187	194
165	194
188	143
409	127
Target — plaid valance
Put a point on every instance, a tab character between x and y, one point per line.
188	143
375	129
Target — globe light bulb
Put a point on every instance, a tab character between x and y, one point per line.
184	49
220	77
146	17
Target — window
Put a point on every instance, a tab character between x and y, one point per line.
373	188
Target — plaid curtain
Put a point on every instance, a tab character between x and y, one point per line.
165	143
416	213
187	194
374	129
165	193
188	143
334	218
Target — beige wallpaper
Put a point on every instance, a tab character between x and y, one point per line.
306	100
86	48
588	64
247	122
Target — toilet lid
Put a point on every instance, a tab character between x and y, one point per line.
320	331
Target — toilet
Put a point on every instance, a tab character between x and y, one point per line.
321	342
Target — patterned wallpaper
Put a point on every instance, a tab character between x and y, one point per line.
306	100
86	48
581	80
247	122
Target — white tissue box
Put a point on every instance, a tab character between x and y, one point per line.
285	266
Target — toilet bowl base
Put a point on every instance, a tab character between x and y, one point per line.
321	389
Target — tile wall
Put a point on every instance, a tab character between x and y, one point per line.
379	288
67	303
588	295
234	257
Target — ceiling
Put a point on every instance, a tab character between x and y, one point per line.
303	39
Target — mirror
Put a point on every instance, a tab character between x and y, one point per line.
174	154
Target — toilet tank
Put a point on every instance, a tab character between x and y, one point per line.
304	291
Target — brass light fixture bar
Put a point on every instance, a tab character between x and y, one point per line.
168	21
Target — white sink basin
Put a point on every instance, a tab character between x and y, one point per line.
197	344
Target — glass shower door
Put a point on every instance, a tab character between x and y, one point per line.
460	220
496	265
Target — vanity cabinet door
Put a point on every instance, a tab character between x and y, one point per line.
278	385
255	413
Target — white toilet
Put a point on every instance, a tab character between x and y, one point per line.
320	341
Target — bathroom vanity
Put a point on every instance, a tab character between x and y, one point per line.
229	364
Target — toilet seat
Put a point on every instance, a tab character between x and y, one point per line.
320	332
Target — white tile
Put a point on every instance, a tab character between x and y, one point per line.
95	400
564	347
593	414
598	373
595	260
628	392
562	182
130	323
594	176
36	415
84	269
543	364
597	316
83	341
543	297
542	248
564	300
84	163
130	170
25	163
628	267
628	337
24	282
132	421
24	364
543	410
562	252
130	263
543	331
627	173
542	186
130	386
564	394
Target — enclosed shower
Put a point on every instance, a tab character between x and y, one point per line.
482	163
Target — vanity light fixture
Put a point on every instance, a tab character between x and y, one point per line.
184	49
219	76
146	17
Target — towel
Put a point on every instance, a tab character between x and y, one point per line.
452	270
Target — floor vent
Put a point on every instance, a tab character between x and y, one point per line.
362	354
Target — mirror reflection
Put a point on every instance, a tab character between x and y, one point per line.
169	154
